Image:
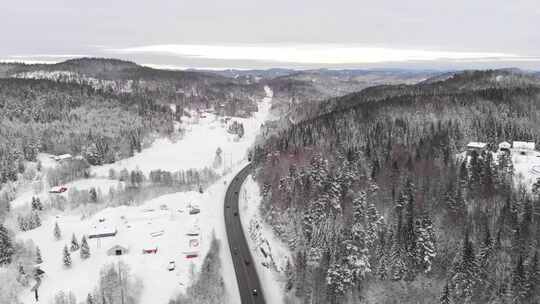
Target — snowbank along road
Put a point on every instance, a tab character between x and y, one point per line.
246	275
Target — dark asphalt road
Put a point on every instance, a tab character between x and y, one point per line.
246	274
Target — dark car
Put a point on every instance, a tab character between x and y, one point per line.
235	213
247	262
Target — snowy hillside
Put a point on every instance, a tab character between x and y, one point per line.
165	222
197	149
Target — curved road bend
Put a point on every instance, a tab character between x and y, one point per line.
246	274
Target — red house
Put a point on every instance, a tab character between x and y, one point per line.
149	250
58	189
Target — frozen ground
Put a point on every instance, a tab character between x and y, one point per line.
270	264
135	224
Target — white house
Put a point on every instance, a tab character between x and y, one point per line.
102	230
477	147
523	145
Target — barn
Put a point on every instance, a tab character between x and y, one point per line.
118	250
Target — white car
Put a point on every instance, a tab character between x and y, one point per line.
171	266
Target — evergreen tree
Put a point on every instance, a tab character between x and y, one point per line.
66	257
519	281
93	195
465	271
36	220
533	279
39	260
89	299
74	243
57	232
445	296
6	246
85	249
425	243
36	204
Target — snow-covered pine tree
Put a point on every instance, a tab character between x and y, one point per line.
93	195
85	249
36	220
6	246
425	243
39	259
66	257
21	221
533	278
445	296
465	271
36	203
519	282
339	279
74	243
57	233
89	299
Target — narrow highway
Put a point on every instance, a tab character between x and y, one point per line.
246	275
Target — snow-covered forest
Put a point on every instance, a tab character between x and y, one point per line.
378	200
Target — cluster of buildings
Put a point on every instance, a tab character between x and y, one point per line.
521	147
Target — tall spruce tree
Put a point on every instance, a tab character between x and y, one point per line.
66	257
74	243
39	259
57	233
85	249
6	246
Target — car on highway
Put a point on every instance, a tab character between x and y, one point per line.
172	266
248	262
235	250
235	213
254	292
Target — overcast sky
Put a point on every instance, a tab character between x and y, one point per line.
221	33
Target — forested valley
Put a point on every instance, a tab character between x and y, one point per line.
102	110
379	203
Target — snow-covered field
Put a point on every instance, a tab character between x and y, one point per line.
270	265
136	224
527	167
197	149
25	194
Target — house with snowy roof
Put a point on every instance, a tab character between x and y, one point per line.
101	231
476	147
118	249
523	147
